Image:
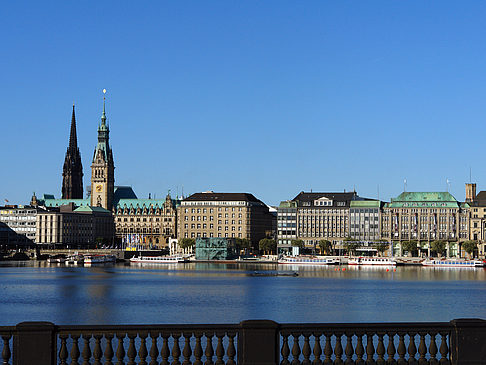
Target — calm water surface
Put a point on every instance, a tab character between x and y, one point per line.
219	293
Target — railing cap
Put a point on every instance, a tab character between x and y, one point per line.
468	322
258	323
35	326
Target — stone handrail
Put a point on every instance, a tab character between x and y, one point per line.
257	342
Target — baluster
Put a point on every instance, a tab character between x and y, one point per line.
412	349
164	352
97	350
176	351
231	352
131	352
402	350
380	350
63	352
219	349
6	353
422	349
285	350
209	352
390	350
349	349
444	349
328	350
120	351
338	350
154	351
75	350
359	349
370	350
317	351
295	350
109	349
142	353
306	351
187	352
86	350
198	352
433	349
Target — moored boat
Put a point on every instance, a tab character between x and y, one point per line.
455	263
57	259
159	259
307	260
373	261
99	259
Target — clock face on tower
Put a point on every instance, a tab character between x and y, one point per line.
99	188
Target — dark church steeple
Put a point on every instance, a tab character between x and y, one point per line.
72	174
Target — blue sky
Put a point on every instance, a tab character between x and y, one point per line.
268	97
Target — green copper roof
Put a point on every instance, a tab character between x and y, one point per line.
288	204
424	197
91	209
424	200
365	204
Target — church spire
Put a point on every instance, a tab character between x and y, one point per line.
73	139
72	174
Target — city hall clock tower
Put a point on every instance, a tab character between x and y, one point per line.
103	168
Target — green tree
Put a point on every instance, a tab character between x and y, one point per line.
410	247
438	247
187	242
298	243
242	243
469	247
325	246
267	245
351	245
381	246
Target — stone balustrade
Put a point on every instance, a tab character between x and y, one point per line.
258	342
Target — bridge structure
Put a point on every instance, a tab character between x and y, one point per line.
253	342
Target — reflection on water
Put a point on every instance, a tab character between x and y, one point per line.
227	293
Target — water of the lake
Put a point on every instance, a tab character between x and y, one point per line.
219	293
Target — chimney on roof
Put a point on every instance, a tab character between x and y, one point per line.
470	192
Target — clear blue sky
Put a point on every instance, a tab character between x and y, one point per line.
267	97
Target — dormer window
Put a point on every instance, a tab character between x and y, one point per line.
323	202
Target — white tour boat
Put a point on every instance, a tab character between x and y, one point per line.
159	259
98	259
453	263
374	261
57	259
307	260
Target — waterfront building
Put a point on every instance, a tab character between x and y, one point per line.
365	223
425	217
316	216
76	227
227	215
147	223
477	217
72	172
18	225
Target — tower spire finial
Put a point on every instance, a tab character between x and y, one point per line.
73	142
103	116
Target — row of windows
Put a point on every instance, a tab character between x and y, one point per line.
211	210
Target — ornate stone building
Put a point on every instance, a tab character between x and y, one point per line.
425	217
72	173
148	223
103	168
312	217
138	222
